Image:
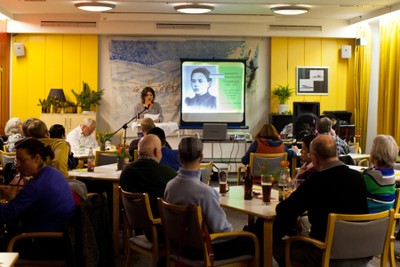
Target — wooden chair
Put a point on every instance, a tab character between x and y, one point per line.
206	172
355	148
364	162
351	236
7	157
396	208
36	235
258	159
135	154
187	221
105	157
139	216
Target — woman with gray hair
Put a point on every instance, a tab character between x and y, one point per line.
380	179
13	130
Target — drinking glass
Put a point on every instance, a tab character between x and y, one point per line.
266	185
223	182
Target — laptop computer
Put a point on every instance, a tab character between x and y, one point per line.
214	131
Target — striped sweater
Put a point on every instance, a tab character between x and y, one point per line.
381	188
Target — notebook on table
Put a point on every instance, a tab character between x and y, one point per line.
214	131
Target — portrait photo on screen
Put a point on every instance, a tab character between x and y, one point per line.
200	88
212	91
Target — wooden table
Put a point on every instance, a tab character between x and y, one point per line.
356	156
8	259
105	173
234	200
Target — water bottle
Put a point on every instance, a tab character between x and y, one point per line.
81	144
248	184
90	161
282	183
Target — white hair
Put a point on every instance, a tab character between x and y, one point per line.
12	126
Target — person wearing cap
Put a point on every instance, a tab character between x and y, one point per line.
146	174
187	189
169	155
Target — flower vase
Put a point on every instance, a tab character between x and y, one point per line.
45	109
120	164
102	146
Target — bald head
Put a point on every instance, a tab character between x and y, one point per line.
150	146
323	150
324	125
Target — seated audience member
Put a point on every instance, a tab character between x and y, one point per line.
187	189
13	131
38	129
333	188
145	125
380	179
169	156
45	204
336	122
267	141
324	126
307	167
83	134
58	131
147	175
25	126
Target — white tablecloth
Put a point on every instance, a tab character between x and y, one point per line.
168	127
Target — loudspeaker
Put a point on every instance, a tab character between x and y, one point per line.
346	51
19	50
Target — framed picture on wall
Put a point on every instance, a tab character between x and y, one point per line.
312	80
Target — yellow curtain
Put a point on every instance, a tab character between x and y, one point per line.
362	69
389	78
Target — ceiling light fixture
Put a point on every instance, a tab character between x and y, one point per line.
289	10
95	6
194	8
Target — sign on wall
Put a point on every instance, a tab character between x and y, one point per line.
312	81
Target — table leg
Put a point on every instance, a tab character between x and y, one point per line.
115	188
268	257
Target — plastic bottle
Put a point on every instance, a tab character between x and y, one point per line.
282	183
82	144
248	184
90	161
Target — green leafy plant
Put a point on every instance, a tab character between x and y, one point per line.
45	102
88	97
123	152
283	93
102	137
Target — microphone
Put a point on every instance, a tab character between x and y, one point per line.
148	105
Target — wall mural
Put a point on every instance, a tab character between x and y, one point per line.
136	64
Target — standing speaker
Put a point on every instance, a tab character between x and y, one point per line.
19	50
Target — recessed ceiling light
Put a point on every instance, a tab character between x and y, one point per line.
194	9
289	10
95	6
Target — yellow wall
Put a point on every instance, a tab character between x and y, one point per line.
289	53
51	61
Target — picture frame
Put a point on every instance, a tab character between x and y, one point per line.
312	80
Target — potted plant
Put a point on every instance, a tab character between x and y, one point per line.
102	137
88	97
123	156
45	104
283	93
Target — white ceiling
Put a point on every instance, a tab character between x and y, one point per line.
321	9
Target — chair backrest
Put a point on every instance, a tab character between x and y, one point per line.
135	154
354	148
271	161
7	157
137	210
105	157
206	171
182	226
358	236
